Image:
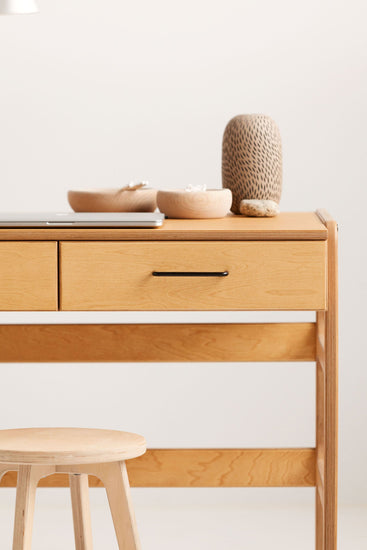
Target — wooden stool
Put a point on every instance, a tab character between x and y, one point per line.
38	452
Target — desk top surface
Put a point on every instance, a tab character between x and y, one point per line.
285	226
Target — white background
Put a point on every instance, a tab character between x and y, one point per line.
94	94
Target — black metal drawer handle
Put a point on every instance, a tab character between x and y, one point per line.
190	273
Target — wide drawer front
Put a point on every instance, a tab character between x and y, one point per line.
28	276
192	275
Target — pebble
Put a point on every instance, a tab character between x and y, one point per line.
259	208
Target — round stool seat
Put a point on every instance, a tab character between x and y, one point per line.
57	446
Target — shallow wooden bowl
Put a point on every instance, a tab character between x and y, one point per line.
213	203
113	200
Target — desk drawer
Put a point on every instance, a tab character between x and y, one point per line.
261	275
28	276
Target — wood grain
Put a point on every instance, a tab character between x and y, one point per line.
158	342
327	322
28	276
29	477
113	476
5	468
286	226
211	468
320	354
320	521
320	411
68	446
115	479
262	275
331	393
320	432
79	491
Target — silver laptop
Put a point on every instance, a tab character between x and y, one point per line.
81	219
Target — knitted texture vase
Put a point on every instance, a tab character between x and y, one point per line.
252	159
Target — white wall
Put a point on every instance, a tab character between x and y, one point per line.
94	94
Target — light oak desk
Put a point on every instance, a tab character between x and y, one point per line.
283	263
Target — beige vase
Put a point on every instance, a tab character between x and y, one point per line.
252	161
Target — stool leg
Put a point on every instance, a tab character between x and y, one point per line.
81	514
28	478
114	478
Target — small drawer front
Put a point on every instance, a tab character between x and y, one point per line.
28	276
193	275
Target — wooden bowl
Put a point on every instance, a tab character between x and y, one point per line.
113	200
213	203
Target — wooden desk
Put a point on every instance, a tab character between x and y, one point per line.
283	263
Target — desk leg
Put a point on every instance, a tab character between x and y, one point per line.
327	407
320	435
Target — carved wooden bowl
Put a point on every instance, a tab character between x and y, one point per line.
113	200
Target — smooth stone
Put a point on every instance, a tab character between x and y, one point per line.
259	208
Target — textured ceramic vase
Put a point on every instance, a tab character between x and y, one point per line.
252	159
